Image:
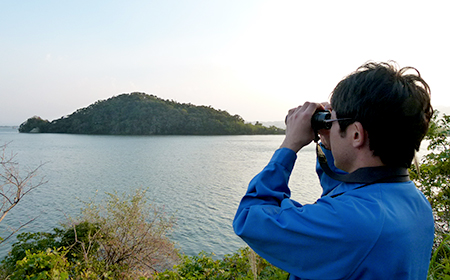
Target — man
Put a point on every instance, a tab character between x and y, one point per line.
371	222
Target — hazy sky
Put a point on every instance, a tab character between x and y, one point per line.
253	58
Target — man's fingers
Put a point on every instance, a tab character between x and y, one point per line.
290	113
307	108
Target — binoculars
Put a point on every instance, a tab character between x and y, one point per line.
321	120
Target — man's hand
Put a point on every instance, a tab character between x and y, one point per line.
299	132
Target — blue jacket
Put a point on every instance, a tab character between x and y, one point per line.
380	231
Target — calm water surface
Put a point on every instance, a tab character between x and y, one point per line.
199	179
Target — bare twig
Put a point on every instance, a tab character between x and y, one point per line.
14	186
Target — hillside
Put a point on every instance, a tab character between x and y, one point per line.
142	114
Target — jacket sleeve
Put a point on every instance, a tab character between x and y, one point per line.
309	241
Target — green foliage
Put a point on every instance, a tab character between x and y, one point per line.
31	243
54	264
440	261
49	264
73	238
78	238
433	179
142	114
237	266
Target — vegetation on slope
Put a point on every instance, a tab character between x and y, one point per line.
142	114
123	238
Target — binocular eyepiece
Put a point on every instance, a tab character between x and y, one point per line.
319	120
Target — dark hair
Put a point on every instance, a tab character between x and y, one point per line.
392	105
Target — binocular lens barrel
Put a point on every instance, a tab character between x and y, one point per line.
318	120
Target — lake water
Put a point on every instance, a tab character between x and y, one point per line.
199	179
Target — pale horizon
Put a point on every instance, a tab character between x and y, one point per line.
256	59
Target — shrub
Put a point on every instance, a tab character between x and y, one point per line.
49	264
243	265
433	179
434	176
123	237
131	236
30	243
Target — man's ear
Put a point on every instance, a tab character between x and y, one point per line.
358	135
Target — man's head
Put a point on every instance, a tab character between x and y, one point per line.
393	106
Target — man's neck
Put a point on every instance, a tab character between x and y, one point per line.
365	159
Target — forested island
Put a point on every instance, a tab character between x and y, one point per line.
143	114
